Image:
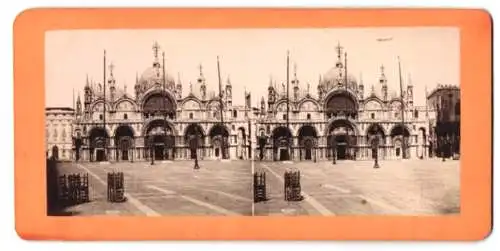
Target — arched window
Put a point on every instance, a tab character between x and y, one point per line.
100	116
284	116
308	116
415	114
235	114
372	115
125	116
190	115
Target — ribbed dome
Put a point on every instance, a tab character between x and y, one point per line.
331	78
153	75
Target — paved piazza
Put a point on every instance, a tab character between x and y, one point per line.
410	187
172	188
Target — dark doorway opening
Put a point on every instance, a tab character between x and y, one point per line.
284	154
341	152
308	154
124	154
99	154
159	150
398	152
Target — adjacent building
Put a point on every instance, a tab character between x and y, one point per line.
59	124
445	138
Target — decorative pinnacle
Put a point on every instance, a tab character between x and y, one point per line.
156	48
111	68
339	50
382	74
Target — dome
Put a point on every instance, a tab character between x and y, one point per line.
153	75
331	78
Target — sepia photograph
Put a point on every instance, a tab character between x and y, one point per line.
253	122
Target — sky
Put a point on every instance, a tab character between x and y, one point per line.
250	57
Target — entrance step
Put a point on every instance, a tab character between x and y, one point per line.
287	162
166	161
104	163
225	160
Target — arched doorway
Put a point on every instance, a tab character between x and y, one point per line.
219	137
373	132
194	132
307	141
282	141
160	140
400	139
99	141
242	143
342	136
124	143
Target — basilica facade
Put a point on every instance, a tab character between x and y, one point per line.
345	112
158	122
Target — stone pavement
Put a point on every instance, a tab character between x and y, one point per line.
169	188
407	187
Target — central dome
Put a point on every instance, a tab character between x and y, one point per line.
331	78
154	75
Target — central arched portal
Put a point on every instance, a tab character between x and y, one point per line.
307	141
124	142
219	137
282	138
98	138
342	136
160	140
